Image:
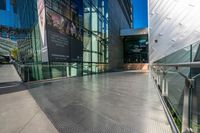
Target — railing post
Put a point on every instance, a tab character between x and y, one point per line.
164	87
186	106
189	102
164	84
158	78
194	104
28	75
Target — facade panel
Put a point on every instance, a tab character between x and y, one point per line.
173	25
117	21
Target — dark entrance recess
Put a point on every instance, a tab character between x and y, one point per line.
136	49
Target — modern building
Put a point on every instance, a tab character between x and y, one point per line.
51	39
136	48
120	17
67	37
8	12
171	30
174	35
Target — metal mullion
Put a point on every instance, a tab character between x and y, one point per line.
90	36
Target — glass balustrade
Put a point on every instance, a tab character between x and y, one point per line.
34	72
177	77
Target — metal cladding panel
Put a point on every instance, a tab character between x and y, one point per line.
173	24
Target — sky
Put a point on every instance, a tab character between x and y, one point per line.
140	14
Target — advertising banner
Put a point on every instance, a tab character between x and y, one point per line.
58	30
64	31
65	41
76	50
42	26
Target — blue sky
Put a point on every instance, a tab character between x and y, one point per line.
140	13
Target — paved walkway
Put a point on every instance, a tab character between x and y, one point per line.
8	74
121	102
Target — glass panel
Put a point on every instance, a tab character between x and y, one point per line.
87	47
87	15
74	70
95	3
87	68
101	53
58	70
94	20
195	109
94	57
95	68
2	4
196	52
94	43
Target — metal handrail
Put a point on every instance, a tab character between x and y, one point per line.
186	64
189	84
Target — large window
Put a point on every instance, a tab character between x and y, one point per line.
136	49
2	4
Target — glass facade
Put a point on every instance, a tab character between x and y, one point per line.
3	5
61	38
8	10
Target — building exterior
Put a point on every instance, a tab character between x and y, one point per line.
12	24
135	45
64	38
173	25
8	13
174	35
120	17
136	48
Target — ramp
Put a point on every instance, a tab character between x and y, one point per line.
8	74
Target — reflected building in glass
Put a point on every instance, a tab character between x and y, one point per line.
64	38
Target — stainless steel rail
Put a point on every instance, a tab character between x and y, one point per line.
189	85
187	64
